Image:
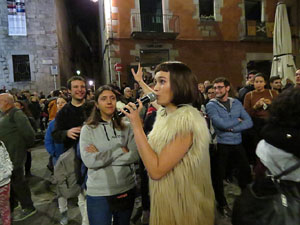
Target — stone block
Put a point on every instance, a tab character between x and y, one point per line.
205	33
213	34
115	22
174	54
219	17
114	9
210	28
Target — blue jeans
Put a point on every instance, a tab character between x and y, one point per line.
99	212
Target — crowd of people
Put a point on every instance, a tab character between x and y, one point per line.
189	142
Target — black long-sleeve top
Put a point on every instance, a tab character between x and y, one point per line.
68	117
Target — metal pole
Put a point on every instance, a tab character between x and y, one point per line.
119	78
54	78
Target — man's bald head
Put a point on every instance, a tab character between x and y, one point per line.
6	102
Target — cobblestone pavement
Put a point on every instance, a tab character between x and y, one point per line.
44	197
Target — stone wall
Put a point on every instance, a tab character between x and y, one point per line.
40	44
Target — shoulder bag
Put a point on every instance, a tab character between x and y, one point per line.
269	201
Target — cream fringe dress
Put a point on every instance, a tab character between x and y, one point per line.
185	195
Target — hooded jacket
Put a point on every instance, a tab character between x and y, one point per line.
224	121
109	170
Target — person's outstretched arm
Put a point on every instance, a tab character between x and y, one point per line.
138	77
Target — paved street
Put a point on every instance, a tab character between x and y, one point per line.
44	196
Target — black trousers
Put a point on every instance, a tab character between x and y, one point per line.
20	190
235	156
144	186
28	163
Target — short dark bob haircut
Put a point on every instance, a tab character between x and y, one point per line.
183	83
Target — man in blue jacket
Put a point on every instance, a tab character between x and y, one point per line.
229	119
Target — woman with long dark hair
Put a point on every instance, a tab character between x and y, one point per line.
108	150
257	103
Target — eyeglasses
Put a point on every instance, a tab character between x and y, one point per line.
218	87
297	74
210	93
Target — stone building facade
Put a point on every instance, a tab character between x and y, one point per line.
33	55
226	38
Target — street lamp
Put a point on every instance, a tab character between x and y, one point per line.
78	72
91	83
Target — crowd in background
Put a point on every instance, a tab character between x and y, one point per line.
234	119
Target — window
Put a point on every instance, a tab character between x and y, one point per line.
253	10
21	68
151	15
206	9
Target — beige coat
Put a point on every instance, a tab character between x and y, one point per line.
185	195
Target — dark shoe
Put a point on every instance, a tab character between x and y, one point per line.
28	174
225	211
24	214
17	206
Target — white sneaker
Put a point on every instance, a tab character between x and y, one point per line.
64	218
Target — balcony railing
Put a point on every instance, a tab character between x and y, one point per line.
154	26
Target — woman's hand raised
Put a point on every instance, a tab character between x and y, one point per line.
138	76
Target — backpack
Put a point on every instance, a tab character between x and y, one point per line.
66	174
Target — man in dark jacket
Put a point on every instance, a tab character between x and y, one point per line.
249	85
17	135
70	118
68	123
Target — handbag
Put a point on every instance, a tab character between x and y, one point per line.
269	201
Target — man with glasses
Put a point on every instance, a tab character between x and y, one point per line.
229	119
210	93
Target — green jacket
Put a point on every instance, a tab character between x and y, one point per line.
17	135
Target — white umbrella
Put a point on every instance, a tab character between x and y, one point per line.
283	61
